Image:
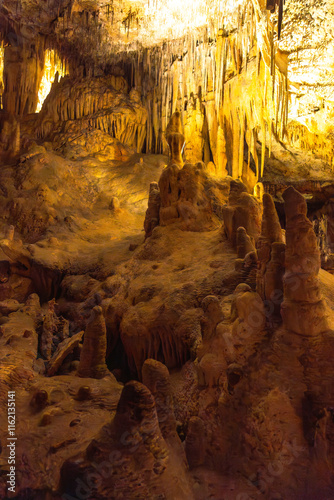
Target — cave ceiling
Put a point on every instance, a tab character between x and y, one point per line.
97	29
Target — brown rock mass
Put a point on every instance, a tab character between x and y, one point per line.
242	210
93	354
153	209
270	250
155	376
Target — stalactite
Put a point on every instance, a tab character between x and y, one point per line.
204	71
230	75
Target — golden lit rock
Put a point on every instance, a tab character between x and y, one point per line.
166	249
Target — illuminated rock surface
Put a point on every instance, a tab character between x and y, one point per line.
166	249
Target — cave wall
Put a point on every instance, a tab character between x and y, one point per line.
229	80
307	37
229	85
22	74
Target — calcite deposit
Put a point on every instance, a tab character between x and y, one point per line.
302	265
166	250
94	349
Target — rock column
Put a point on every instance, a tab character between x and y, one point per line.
303	309
93	355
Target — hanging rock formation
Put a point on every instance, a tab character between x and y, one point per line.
270	250
93	355
303	309
273	282
23	68
10	139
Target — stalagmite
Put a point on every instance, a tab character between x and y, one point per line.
271	232
93	355
242	210
273	281
244	243
219	344
303	310
195	442
136	412
49	330
153	209
155	376
175	139
240	289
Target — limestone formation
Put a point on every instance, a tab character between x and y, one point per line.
190	198
244	243
39	400
273	281
248	329
10	139
206	102
234	375
155	376
153	209
114	204
93	354
195	442
236	189
10	233
270	227
240	289
175	139
303	309
132	447
64	349
242	210
210	370
247	268
78	103
48	331
212	316
270	232
250	311
136	411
